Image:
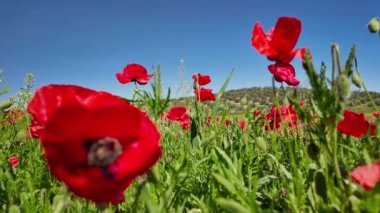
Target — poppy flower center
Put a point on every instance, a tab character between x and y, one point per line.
104	152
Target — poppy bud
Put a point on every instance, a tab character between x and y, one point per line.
5	105
261	143
357	80
244	101
344	87
286	101
313	151
374	25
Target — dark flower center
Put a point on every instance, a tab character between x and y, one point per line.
104	152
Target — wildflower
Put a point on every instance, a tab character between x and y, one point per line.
284	73
208	121
257	113
367	175
355	125
134	73
375	114
241	124
203	94
227	122
95	142
281	114
14	161
277	45
35	129
178	113
201	80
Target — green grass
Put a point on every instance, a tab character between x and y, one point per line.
214	168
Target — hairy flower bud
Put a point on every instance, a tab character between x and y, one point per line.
357	80
374	25
244	101
344	89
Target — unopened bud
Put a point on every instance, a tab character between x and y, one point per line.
357	80
374	25
286	101
244	101
344	89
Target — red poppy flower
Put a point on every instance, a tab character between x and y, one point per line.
95	142
257	113
178	113
227	122
35	129
241	124
208	121
203	94
185	124
277	45
355	125
134	72
201	79
14	161
367	175
281	114
375	114
284	73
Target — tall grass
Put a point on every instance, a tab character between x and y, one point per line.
215	168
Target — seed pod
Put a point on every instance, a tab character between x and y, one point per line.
344	89
357	80
374	25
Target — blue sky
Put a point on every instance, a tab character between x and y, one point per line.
85	42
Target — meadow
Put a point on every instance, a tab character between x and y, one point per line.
65	148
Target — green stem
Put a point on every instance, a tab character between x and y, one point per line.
274	89
365	89
334	148
198	117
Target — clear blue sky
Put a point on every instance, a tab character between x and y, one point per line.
86	42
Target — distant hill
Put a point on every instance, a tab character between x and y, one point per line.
237	100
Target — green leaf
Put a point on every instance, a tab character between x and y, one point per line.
231	205
14	209
230	164
221	91
321	185
5	105
193	129
226	183
282	168
200	203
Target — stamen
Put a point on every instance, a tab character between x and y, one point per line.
104	152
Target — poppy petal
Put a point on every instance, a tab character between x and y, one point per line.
284	38
260	40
